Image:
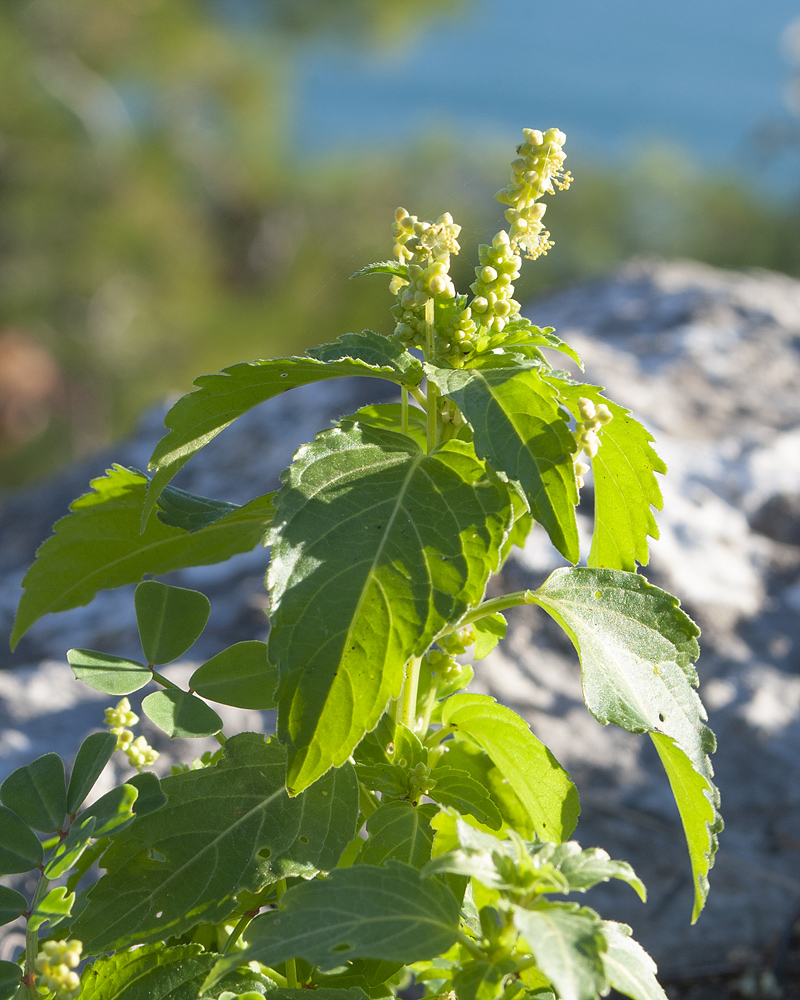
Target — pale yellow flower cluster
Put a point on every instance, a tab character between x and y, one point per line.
586	433
55	968
136	748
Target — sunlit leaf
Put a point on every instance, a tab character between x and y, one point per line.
170	619
37	793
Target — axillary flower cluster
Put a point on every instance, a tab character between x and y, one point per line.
55	968
423	250
136	749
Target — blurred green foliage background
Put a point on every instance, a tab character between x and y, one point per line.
157	224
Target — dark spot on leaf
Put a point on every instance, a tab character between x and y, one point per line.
265	854
284	374
303	840
344	946
662	717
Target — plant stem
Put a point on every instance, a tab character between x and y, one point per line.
433	739
503	603
433	392
404	409
419	396
291	963
410	687
470	945
32	939
236	933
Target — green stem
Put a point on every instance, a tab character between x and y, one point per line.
470	945
419	396
503	603
291	963
32	940
404	409
276	977
366	801
237	932
410	687
434	739
432	391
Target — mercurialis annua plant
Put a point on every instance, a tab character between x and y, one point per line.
396	825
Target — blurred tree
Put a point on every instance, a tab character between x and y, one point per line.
154	219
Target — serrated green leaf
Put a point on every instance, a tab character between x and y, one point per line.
93	755
480	980
398	831
628	967
520	430
625	486
568	944
542	785
190	512
391	913
462	792
372	349
586	868
98	546
10	978
388	779
464	755
109	674
179	713
37	793
698	803
322	993
149	973
376	547
219	399
223	829
20	850
170	619
488	632
240	676
383	267
408	749
389	416
363	974
636	649
12	904
520	334
149	794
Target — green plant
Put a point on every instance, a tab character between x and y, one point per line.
395	825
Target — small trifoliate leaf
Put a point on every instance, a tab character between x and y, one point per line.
388	544
391	913
625	486
109	674
460	791
179	713
37	793
10	979
398	831
12	904
170	619
568	944
521	431
98	546
628	967
240	676
183	863
190	512
219	399
542	785
94	753
636	649
488	632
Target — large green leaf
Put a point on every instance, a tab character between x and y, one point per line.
625	486
223	829
392	913
636	649
568	944
541	783
98	546
219	399
170	619
38	793
398	831
629	969
521	431
375	548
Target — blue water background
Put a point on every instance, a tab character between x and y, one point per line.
615	76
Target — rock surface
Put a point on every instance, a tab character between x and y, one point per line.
710	361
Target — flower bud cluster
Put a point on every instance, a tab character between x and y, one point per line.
538	170
425	248
55	968
420	781
586	432
208	759
499	266
137	749
457	642
447	674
